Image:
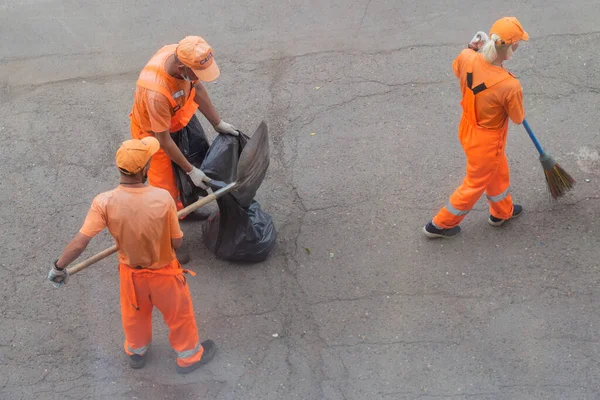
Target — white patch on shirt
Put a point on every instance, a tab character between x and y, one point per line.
178	94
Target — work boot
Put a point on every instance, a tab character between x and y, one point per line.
432	232
183	253
493	221
198	215
201	214
210	349
136	361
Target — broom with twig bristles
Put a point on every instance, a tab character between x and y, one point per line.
557	179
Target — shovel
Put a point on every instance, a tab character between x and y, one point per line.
252	168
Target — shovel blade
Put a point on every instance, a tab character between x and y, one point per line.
252	166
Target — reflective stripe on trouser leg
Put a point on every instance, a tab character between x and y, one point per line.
456	211
499	197
498	191
449	216
189	353
139	351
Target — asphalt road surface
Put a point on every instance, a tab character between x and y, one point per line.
354	303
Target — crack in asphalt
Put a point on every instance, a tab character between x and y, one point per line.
375	295
393	343
294	294
362	18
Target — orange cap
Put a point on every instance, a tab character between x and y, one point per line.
510	31
133	155
197	55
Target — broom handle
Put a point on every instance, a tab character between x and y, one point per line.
181	213
537	144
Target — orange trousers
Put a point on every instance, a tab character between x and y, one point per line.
487	171
161	173
165	288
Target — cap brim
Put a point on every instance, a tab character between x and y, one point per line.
153	143
525	36
208	74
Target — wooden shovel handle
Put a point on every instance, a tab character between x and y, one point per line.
181	213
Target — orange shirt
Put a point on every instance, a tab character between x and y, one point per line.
496	103
151	111
142	220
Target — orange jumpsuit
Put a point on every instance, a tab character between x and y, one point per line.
491	96
161	103
143	220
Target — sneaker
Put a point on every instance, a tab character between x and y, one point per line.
136	361
493	221
210	349
432	232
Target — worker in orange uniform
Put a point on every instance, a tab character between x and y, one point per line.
168	93
143	221
491	95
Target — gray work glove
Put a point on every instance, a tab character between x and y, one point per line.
478	41
198	178
58	277
224	127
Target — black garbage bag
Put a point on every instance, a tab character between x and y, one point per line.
239	234
235	233
193	143
221	160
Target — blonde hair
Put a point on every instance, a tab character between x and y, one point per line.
489	49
